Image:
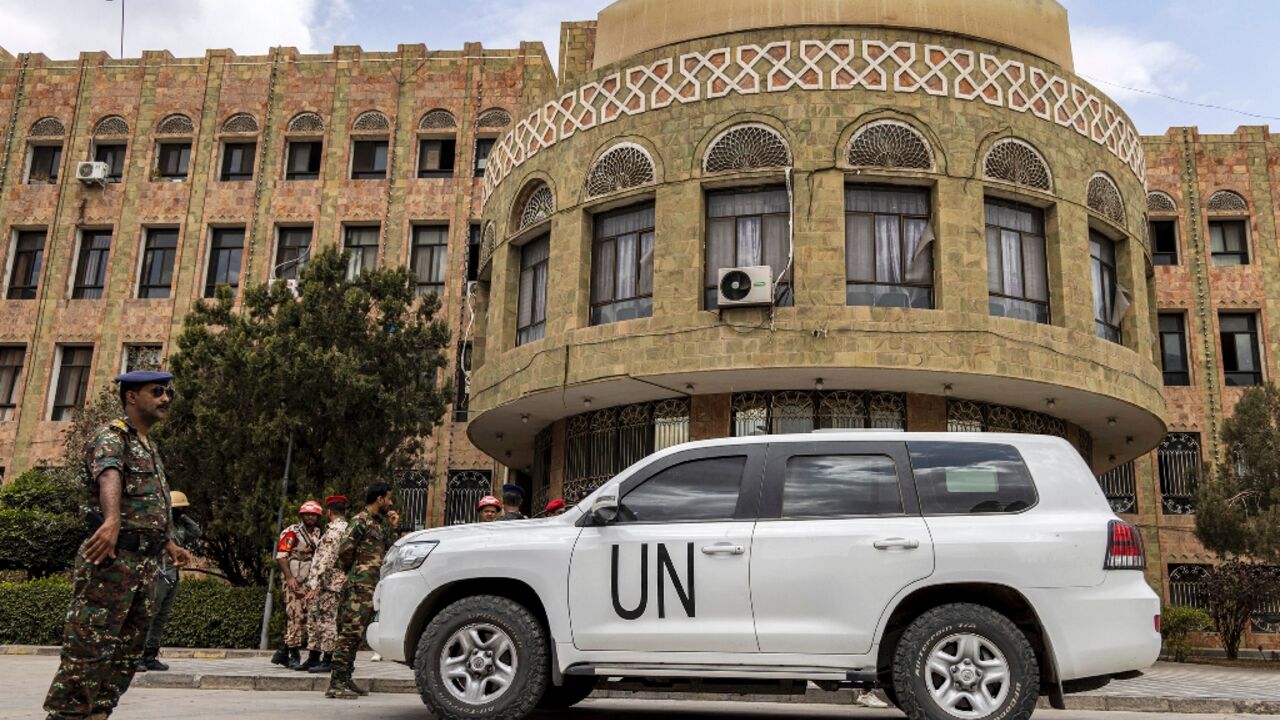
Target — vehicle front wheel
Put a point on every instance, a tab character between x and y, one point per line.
575	689
965	662
482	658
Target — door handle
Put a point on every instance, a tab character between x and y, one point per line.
896	542
723	549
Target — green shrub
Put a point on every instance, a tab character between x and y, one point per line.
39	491
1177	622
34	612
41	543
206	613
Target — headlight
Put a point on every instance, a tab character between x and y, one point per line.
408	556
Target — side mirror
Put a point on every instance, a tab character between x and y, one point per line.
604	510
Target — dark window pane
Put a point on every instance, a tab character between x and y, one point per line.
361	244
91	264
45	163
369	159
113	155
958	478
73	381
1173	349
1228	242
705	490
483	147
435	157
303	162
157	263
1241	362
838	485
173	160
1164	242
622	265
430	258
237	161
28	256
473	252
225	252
11	358
531	313
292	250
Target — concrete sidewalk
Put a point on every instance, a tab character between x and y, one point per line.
1164	688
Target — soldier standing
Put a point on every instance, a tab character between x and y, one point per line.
360	554
115	571
512	499
185	532
324	590
293	554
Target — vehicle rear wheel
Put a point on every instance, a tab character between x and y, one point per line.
575	689
965	662
482	658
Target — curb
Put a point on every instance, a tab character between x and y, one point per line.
179	653
272	683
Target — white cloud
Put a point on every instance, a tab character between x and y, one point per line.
62	29
1119	57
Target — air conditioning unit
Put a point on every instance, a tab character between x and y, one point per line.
87	172
745	286
290	283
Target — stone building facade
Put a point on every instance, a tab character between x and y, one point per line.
966	235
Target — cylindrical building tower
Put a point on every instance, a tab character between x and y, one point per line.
944	228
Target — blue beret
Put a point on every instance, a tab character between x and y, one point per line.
511	488
142	377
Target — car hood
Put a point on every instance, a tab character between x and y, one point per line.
478	529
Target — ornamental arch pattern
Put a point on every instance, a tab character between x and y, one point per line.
842	65
437	120
111	126
1016	161
371	121
1159	201
240	123
48	127
749	146
889	144
1226	201
176	124
1104	198
536	204
623	166
493	118
306	122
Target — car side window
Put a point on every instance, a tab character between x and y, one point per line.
964	478
819	486
705	489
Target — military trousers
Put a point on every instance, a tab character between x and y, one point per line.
295	613
354	615
322	621
166	590
111	611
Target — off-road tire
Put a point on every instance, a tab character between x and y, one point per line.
575	689
526	633
912	695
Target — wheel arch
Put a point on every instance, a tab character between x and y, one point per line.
1001	598
507	587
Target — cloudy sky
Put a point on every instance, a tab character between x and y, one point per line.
1220	53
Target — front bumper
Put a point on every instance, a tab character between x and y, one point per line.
395	601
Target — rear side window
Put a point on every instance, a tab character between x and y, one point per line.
705	490
819	486
962	478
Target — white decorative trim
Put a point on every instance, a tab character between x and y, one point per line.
837	65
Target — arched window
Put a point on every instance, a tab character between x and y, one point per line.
371	121
48	127
1160	202
493	118
752	146
176	124
111	126
306	122
240	123
1016	161
536	204
1226	201
1104	198
437	120
889	144
623	166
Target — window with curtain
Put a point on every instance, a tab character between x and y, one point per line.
113	154
45	162
1241	360
292	249
1173	349
28	256
1017	272
237	161
225	252
748	227
91	265
72	381
531	313
888	247
622	265
368	159
157	263
11	357
1109	299
361	244
173	160
484	146
303	161
1228	242
430	258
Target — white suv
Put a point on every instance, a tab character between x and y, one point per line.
965	574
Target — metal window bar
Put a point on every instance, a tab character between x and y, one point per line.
802	411
602	443
1179	461
462	494
1120	485
1266	618
541	471
1186	585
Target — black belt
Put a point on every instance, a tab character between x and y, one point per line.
144	543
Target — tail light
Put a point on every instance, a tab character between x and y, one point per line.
1124	547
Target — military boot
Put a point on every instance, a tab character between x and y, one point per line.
325	665
281	657
295	658
151	660
341	689
358	690
313	659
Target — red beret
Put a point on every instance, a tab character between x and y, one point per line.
554	505
335	500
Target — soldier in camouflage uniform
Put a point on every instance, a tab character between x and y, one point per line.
115	570
360	553
325	590
293	554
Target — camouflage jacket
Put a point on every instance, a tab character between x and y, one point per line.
363	546
325	574
298	544
144	490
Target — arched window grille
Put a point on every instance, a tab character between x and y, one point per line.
1120	485
802	411
1160	202
1187	585
437	120
493	118
240	123
462	494
541	470
1179	459
1016	161
1104	198
306	122
176	124
537	204
889	144
973	416
111	126
747	147
1227	201
622	166
600	444
48	127
371	121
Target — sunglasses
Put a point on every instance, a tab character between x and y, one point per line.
160	391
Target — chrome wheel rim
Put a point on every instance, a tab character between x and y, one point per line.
967	676
478	663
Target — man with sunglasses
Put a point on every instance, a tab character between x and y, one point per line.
115	571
